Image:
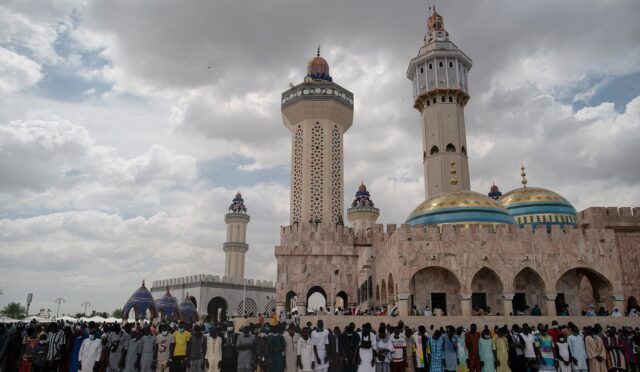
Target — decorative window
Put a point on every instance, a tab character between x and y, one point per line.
434	150
248	306
440	64
450	99
422	70
443	99
317	172
451	148
463	150
336	173
430	66
450	64
297	174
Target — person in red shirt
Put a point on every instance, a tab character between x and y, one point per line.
471	340
554	332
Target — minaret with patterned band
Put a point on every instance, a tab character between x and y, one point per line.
317	112
440	91
236	245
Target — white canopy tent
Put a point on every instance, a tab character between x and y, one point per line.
38	319
7	320
68	319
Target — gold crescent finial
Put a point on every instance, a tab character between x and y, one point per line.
454	180
523	174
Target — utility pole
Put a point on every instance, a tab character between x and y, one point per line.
29	299
59	301
85	304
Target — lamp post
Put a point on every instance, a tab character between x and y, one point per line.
85	304
59	301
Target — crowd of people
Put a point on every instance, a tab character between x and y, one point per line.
277	346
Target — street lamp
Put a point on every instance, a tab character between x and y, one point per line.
59	301
85	304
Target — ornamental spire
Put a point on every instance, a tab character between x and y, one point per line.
523	174
318	54
454	180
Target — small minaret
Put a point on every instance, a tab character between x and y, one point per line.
236	245
441	91
362	215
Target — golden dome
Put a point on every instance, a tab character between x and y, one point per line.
460	207
318	65
531	195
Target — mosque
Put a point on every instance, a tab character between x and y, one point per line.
458	250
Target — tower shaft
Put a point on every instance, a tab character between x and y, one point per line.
440	90
317	112
236	245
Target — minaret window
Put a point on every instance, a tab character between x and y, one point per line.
440	64
422	70
435	100
430	66
443	99
463	150
450	99
434	150
451	148
450	64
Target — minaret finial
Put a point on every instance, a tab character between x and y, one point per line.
523	174
454	180
318	50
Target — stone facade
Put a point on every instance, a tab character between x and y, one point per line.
495	265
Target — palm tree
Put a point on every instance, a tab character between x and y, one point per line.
14	310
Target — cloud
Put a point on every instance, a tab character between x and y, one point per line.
17	72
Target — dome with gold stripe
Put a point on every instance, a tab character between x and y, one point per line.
462	207
538	206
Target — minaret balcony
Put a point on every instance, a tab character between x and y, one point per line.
235	247
316	90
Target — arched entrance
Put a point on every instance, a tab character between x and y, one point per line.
291	300
391	299
529	290
193	300
580	288
436	287
217	309
383	293
316	299
486	288
341	300
632	303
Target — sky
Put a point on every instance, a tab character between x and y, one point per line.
126	127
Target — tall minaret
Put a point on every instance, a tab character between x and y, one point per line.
236	245
317	112
440	91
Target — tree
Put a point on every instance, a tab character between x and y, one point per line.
14	310
117	313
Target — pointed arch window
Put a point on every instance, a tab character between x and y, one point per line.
451	148
463	150
434	150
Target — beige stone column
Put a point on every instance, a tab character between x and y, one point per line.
302	308
465	304
619	303
551	303
507	303
403	304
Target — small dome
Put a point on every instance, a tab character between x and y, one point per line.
318	68
363	198
167	307
494	192
237	204
188	311
538	206
460	207
140	301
